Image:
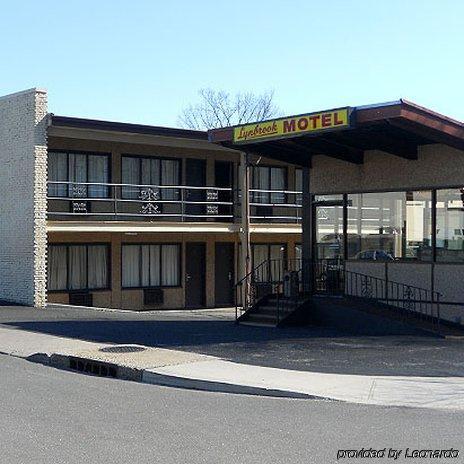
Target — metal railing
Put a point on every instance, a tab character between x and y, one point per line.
175	202
286	204
270	279
330	277
167	202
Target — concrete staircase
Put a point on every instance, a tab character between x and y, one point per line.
272	311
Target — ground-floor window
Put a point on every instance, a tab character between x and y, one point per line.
329	227
273	255
450	225
78	267
390	224
150	265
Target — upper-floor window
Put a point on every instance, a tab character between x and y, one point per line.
150	173
77	171
265	178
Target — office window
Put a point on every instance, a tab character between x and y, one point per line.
450	225
150	265
78	168
275	254
150	172
268	178
394	224
78	267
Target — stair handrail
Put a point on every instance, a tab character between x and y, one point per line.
246	289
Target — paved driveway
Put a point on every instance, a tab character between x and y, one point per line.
213	332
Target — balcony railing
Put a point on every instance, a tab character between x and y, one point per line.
275	205
109	201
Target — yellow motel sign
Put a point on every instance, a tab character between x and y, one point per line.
293	126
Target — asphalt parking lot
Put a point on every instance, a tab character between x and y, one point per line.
213	332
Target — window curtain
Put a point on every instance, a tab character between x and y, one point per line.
277	254
98	266
259	254
150	171
170	265
130	175
77	174
130	265
98	172
277	178
260	181
150	265
57	268
170	176
77	267
57	171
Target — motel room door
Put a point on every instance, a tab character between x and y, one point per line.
195	275
195	176
224	274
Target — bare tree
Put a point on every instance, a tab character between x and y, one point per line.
218	108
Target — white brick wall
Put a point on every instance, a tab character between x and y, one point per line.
23	175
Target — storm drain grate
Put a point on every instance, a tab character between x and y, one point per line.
122	349
93	367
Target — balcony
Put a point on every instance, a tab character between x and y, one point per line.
177	203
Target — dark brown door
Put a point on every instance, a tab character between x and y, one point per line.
195	275
196	177
223	173
224	274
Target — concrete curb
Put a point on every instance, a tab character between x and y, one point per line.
220	387
89	366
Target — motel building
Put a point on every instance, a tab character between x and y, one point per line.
332	216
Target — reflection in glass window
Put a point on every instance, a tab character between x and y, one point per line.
450	225
329	227
397	223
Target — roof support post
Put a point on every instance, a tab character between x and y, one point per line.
307	226
245	258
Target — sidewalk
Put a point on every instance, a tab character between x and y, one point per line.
191	370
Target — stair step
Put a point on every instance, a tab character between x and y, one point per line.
295	303
262	316
256	324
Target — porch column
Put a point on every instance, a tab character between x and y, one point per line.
307	226
244	186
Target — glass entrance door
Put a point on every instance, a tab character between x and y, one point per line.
329	244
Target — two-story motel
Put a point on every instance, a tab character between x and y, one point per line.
130	216
142	217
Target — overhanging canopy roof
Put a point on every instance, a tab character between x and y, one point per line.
397	128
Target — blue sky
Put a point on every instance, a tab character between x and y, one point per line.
144	60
